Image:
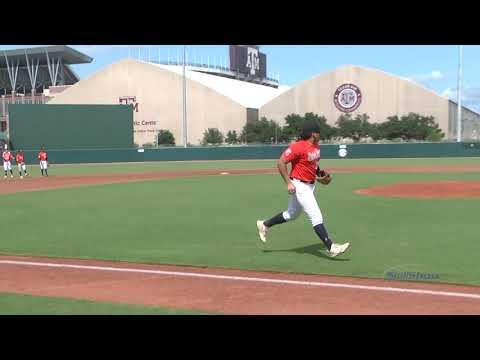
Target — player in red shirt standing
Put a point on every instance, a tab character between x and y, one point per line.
7	162
43	157
20	159
303	156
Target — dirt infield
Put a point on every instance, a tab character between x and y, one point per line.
230	291
426	190
15	185
9	186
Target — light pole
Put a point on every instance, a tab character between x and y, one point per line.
459	94
185	135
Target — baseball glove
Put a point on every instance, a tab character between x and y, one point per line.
323	177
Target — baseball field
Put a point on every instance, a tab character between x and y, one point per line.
180	238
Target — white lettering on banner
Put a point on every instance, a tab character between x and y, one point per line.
253	60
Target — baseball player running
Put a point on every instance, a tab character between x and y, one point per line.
20	159
43	158
303	156
7	162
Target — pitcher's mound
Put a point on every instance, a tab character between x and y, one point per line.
437	189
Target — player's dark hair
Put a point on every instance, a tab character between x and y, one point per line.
308	128
305	135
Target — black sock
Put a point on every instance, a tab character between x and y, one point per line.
322	234
46	173
42	171
20	173
5	173
277	219
11	172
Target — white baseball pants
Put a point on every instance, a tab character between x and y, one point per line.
7	165
303	199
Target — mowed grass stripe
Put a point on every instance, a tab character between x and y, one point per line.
112	168
210	221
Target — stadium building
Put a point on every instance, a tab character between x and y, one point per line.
215	97
223	97
358	90
35	75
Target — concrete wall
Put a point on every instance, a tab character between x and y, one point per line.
158	93
357	151
383	95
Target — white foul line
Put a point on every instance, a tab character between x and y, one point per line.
244	278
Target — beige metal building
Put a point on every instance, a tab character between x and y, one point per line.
155	91
215	100
358	90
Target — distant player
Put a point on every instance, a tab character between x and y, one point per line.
7	162
20	159
304	156
43	158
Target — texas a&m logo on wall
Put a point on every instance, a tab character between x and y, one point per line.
347	98
129	100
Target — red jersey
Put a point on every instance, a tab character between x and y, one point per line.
304	157
19	158
42	156
7	155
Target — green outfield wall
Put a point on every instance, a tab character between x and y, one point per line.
360	151
60	127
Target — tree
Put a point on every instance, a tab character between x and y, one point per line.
232	137
262	131
355	128
326	131
412	126
212	136
294	125
165	137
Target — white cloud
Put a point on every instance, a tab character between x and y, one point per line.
448	92
432	75
470	96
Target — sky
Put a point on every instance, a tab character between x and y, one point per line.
435	67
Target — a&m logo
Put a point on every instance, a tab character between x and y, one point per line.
253	60
347	98
129	100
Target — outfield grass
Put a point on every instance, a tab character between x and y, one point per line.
14	304
92	169
211	221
